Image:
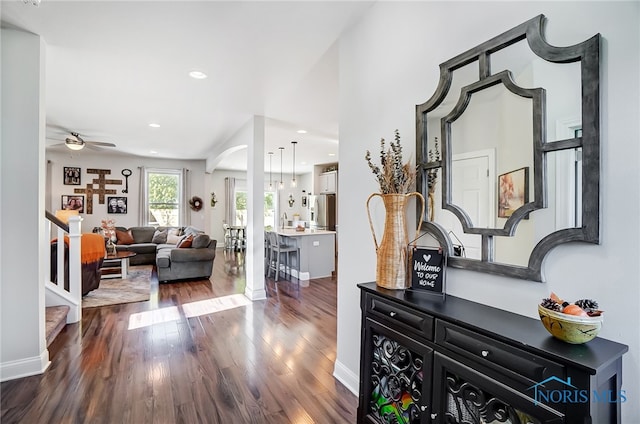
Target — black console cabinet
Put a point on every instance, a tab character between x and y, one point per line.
427	360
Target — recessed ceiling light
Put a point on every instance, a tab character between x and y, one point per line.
197	74
332	154
153	152
154	125
301	131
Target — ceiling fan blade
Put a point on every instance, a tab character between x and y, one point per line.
58	128
91	146
100	143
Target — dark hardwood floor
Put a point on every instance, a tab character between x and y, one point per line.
191	359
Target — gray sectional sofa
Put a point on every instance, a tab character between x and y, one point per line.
159	246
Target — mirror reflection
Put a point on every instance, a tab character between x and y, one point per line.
563	211
487	150
561	81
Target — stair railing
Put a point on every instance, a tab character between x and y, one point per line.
55	293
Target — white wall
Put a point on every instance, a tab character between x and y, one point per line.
389	63
86	158
23	350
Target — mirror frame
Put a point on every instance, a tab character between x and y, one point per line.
588	53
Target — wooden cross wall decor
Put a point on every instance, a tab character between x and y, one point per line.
101	181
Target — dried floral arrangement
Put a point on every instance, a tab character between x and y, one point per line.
109	228
432	174
393	176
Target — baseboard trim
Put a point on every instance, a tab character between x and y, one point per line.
302	276
26	367
346	377
260	294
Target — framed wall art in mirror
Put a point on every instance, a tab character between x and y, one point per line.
513	106
513	191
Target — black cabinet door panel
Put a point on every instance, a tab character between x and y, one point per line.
395	378
463	395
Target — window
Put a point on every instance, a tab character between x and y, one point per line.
241	208
240	214
269	210
163	197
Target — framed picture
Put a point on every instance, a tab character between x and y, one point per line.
72	203
116	205
71	175
513	191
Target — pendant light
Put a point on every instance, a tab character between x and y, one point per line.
293	180
270	179
281	185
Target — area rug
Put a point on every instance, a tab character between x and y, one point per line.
135	288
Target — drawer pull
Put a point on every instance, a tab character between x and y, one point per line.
485	353
392	314
434	416
424	408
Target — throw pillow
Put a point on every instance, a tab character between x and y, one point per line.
173	236
124	237
186	242
159	237
200	241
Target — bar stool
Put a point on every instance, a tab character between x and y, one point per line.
276	250
232	240
267	253
228	243
241	239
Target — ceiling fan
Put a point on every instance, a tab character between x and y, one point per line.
75	142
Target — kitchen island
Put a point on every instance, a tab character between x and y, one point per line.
317	251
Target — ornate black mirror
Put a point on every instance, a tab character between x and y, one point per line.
510	143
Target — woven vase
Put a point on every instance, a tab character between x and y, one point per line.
392	260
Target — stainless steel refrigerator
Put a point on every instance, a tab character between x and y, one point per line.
323	211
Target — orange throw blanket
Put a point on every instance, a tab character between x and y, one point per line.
91	247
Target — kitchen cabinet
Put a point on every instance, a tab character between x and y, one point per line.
328	182
427	360
316	249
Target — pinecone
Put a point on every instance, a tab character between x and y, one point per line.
551	304
589	305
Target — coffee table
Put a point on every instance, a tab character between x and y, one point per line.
120	261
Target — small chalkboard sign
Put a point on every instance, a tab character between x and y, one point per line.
428	270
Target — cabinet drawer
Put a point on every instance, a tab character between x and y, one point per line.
505	359
402	317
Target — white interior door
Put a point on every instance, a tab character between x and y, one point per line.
472	190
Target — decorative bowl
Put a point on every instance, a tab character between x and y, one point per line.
570	328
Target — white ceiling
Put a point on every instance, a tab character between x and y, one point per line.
114	67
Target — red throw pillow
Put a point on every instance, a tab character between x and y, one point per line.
186	242
124	237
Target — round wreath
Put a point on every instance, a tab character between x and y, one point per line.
195	203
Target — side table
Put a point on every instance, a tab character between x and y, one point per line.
114	262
